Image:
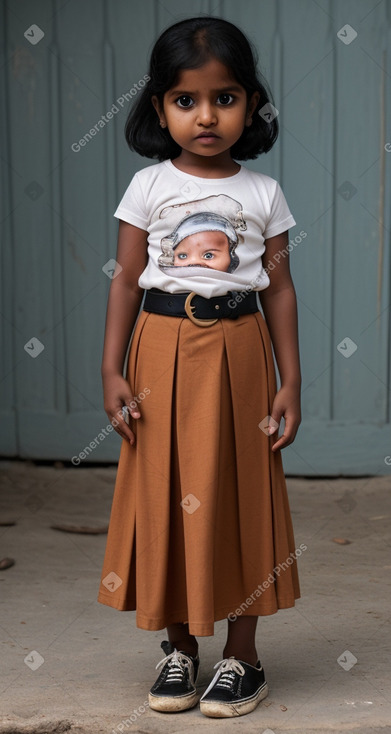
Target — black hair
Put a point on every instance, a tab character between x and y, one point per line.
190	44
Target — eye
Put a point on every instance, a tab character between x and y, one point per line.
209	256
225	99
184	101
182	256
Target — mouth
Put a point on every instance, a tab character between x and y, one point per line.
193	265
207	135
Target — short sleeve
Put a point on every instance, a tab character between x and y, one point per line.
280	218
132	207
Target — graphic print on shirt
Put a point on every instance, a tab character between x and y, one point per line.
201	234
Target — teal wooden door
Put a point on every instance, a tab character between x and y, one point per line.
69	75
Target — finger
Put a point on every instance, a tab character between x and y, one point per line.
120	426
126	410
286	438
282	441
132	408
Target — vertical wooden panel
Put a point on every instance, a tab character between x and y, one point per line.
84	104
360	298
307	152
386	222
8	422
31	193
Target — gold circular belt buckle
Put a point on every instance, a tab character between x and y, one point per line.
189	310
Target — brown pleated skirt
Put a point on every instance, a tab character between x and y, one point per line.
200	527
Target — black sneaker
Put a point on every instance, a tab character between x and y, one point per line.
174	689
236	689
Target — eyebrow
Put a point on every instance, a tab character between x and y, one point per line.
208	249
232	88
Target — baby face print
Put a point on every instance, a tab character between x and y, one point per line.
201	234
206	249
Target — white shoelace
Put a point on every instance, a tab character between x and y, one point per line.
176	662
227	669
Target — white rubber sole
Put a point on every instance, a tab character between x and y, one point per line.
217	710
172	704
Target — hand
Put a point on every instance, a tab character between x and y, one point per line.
286	404
117	394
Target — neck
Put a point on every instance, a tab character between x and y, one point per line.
218	166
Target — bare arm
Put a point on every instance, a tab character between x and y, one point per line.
123	306
279	305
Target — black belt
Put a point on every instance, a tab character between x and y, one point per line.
202	311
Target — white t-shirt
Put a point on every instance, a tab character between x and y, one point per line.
204	234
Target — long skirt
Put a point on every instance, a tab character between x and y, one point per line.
200	527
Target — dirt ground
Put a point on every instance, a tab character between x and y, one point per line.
69	663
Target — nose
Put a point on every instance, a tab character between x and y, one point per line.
194	259
206	114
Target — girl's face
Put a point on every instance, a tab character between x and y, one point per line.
207	110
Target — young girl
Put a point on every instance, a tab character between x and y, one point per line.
200	528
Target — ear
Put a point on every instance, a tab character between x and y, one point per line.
251	107
159	110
